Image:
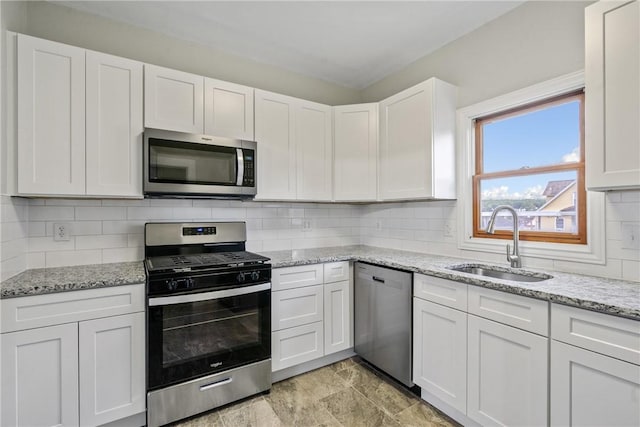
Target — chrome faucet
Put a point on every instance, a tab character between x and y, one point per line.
513	257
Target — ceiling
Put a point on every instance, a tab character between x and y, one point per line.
353	44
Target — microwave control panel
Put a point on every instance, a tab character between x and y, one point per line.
249	178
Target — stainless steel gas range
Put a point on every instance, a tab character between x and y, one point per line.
208	318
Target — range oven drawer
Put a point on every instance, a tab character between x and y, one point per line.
199	395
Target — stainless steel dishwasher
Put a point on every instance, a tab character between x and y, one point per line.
382	320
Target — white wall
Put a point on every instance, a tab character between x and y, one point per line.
112	230
532	43
65	25
419	226
13	212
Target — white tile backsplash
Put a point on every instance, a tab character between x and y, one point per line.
113	230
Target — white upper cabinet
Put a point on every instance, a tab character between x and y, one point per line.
417	138
79	121
228	109
173	100
184	102
612	103
276	156
294	148
355	143
313	142
51	117
114	126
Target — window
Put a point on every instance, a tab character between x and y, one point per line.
532	159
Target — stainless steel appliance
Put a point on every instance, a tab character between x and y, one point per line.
186	165
208	318
382	319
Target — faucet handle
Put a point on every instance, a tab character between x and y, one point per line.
508	252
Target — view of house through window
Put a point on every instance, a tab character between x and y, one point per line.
532	159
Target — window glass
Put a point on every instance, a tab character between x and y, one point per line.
532	159
537	138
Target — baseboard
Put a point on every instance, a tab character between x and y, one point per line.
448	410
292	371
137	420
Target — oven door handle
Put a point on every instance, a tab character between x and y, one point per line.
205	296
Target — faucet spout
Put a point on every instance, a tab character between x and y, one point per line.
513	257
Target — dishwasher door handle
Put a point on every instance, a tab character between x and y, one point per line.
377	279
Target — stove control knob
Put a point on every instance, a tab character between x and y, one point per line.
172	284
255	275
190	283
241	277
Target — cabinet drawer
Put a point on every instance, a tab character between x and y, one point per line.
296	277
296	345
295	307
515	310
336	271
442	291
64	307
609	335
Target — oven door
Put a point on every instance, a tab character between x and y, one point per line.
198	334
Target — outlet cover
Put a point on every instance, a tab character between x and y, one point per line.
448	229
61	231
631	236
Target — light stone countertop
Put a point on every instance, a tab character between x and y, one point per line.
60	279
608	296
616	297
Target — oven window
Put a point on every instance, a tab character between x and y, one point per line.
193	330
186	163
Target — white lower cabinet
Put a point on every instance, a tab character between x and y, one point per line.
87	372
112	369
297	345
440	352
311	313
507	375
589	389
476	355
338	317
595	368
40	377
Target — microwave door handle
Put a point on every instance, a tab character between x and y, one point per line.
240	160
205	296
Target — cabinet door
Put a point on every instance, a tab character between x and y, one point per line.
228	109
114	126
40	377
314	151
338	317
440	352
51	117
612	105
355	152
275	129
417	128
296	345
295	307
507	375
591	389
112	368
173	100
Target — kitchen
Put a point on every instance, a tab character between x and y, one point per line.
108	230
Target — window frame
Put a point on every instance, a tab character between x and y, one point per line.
526	235
555	255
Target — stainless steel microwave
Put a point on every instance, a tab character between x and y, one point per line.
188	165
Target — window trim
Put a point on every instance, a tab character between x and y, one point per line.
552	237
593	252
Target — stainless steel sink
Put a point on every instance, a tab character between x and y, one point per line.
489	271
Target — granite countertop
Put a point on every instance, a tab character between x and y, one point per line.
609	296
59	279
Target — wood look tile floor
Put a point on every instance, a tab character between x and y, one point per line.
347	393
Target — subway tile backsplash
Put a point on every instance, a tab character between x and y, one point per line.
106	231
